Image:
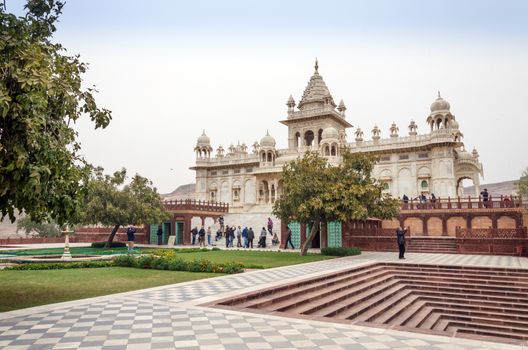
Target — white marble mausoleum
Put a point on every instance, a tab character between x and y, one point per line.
410	163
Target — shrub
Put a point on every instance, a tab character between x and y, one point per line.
125	261
340	251
61	266
113	245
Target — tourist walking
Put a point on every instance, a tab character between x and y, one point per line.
400	237
262	238
251	237
239	236
194	232
201	237
270	226
160	235
221	222
131	231
288	238
209	233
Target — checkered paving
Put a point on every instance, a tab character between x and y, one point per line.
161	318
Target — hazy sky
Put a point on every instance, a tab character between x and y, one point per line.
168	69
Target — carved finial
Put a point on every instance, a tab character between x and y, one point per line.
316	65
439	94
267	133
203	132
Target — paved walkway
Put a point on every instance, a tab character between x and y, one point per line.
171	317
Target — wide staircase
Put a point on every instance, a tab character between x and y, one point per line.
472	302
432	245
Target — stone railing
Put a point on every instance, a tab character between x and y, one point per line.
194	205
491	233
463	203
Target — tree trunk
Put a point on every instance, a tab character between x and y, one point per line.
309	239
111	237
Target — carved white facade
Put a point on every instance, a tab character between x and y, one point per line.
434	162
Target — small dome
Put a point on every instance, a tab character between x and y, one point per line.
267	141
203	140
330	133
454	124
440	104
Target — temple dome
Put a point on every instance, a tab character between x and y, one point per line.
330	133
440	105
316	91
267	141
203	140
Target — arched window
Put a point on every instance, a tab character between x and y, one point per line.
386	186
298	139
319	136
333	152
424	185
308	137
269	157
263	156
327	150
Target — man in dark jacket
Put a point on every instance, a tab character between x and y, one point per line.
201	237
194	232
400	237
251	236
130	237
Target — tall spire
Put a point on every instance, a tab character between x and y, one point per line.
316	66
316	92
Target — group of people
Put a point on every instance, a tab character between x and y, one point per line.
422	198
245	236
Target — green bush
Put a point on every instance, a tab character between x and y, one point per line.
125	260
340	251
61	266
113	245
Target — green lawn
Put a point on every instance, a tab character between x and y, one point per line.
21	289
248	258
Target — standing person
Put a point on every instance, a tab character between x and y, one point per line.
221	222
131	231
209	233
245	237
288	238
400	237
262	239
251	237
227	229
201	237
194	232
270	226
485	196
160	235
405	199
239	236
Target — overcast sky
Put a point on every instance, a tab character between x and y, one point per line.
168	69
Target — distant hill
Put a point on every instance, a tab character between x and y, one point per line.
182	192
497	189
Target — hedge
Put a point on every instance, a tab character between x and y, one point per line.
340	251
61	266
176	264
113	245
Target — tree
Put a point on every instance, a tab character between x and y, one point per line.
523	186
112	203
41	170
314	191
42	229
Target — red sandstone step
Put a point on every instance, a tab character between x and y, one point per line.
305	289
333	305
420	317
468	280
478	310
478	328
496	301
391	306
494	335
431	321
268	291
462	274
352	309
305	303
